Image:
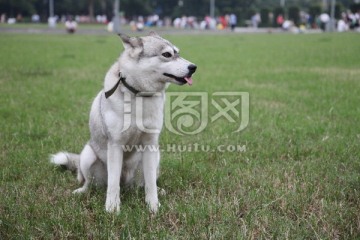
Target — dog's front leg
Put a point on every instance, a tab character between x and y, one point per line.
114	166
151	160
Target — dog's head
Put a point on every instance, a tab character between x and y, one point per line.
155	59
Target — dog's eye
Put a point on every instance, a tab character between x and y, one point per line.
167	55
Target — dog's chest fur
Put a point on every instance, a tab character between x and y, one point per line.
126	116
131	118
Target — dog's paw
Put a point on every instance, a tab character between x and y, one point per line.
79	190
153	206
112	205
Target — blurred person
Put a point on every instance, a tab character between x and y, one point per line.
35	18
177	22
167	22
52	22
70	25
324	20
203	25
207	21
255	20
353	19
227	19
19	17
3	18
110	27
342	26
11	20
191	21
280	20
223	21
302	28
184	22
139	26
287	24
212	23
155	19
233	21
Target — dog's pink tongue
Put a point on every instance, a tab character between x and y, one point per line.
189	80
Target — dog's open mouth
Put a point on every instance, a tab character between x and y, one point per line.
183	80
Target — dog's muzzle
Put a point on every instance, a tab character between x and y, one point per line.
185	79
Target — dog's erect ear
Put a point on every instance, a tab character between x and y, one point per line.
153	34
130	42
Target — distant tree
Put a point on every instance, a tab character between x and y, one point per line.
98	7
198	8
294	14
339	8
264	13
136	7
166	8
13	8
314	10
355	7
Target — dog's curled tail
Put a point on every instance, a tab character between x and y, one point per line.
69	160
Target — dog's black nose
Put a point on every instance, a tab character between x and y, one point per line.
192	68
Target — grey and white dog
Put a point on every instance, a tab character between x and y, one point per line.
147	65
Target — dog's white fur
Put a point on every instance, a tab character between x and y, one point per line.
103	159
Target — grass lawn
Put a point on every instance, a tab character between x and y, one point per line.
297	179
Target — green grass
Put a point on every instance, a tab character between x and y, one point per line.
297	179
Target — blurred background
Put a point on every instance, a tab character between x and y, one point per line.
288	15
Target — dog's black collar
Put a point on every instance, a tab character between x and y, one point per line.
111	91
122	80
130	88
